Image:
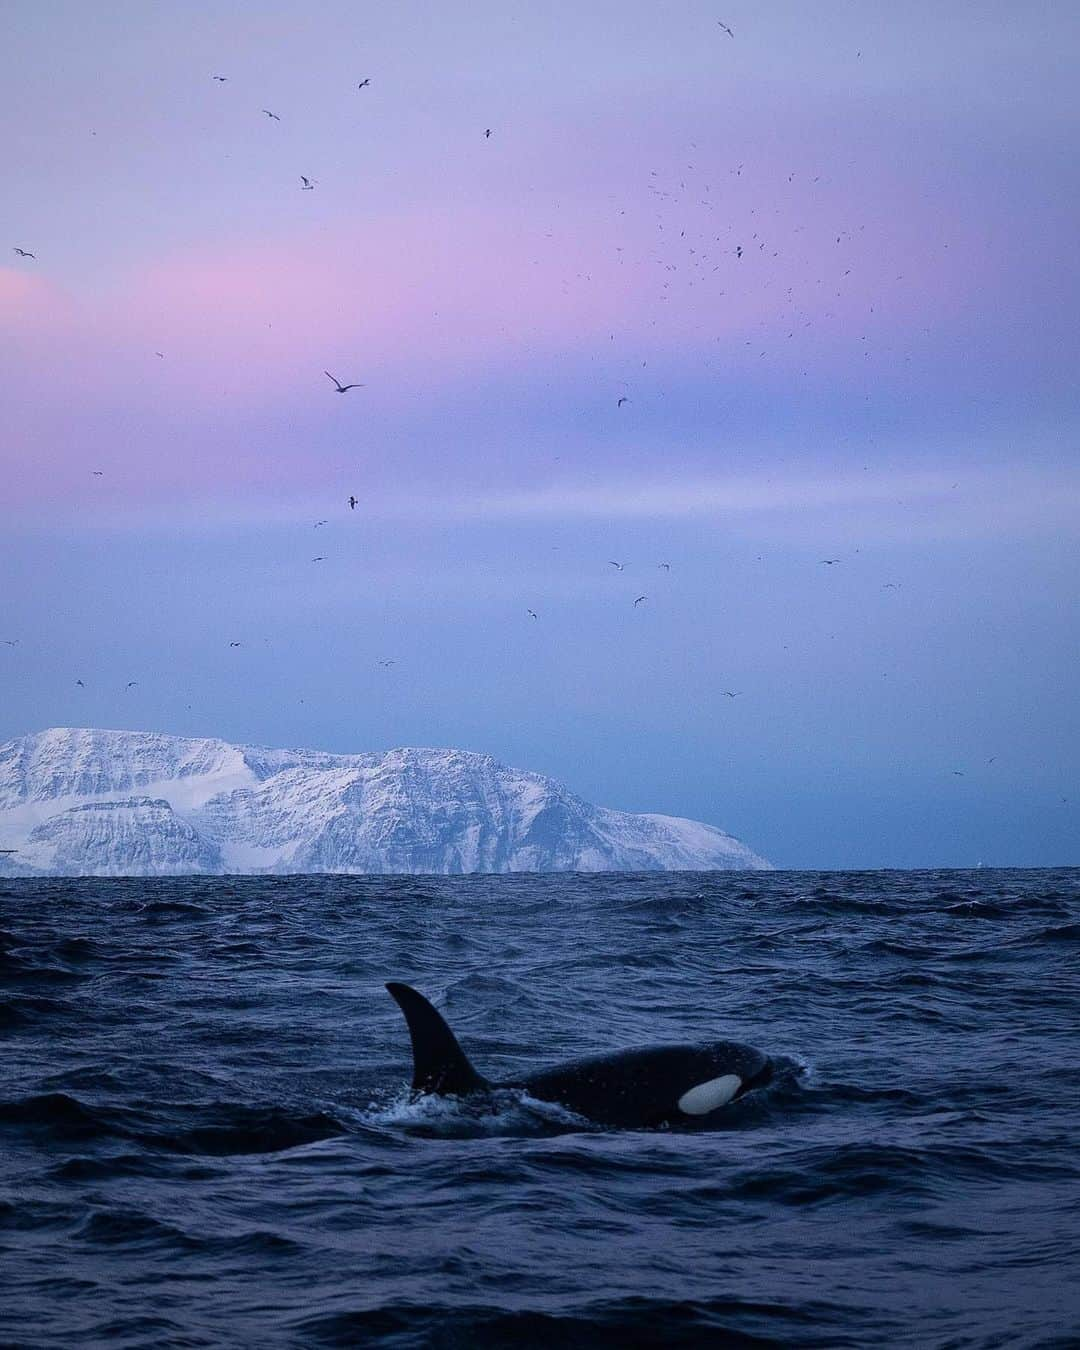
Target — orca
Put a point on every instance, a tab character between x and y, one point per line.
630	1089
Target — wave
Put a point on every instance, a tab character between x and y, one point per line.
27	1010
127	1227
227	1130
220	1130
610	1324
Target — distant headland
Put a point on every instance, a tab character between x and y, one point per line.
86	802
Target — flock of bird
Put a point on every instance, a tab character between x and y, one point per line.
308	185
698	259
688	257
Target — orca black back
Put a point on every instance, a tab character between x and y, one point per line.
661	1085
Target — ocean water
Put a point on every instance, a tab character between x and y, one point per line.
205	1137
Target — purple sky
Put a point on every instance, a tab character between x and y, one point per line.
886	375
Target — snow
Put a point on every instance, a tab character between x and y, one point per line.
124	803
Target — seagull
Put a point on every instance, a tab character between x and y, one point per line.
23	254
891	586
354	502
958	773
732	693
221	78
320	522
342	388
11	642
97	473
236	644
363	84
621	401
80	684
828	562
391	662
618	566
320	558
161	354
738	251
726	29
665	566
132	683
272	115
309	184
639	600
532	613
487	134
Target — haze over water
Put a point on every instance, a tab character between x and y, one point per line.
828	262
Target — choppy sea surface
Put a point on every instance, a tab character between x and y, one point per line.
206	1140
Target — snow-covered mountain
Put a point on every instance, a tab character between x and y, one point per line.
132	803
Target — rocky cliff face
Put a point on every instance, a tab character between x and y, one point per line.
123	803
143	834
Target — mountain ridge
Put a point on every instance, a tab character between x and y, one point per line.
91	801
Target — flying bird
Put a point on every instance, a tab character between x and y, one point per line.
161	354
828	562
221	78
738	251
732	693
132	683
639	600
621	401
11	642
23	254
236	644
726	29
80	684
390	662
532	613
320	558
618	566
341	388
665	566
354	502
272	115
309	184
97	473
487	134
363	84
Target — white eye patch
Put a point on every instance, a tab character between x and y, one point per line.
706	1097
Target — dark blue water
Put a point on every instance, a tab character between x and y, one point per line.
205	1141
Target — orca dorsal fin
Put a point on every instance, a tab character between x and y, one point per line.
439	1063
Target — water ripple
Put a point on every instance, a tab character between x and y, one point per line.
206	1136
